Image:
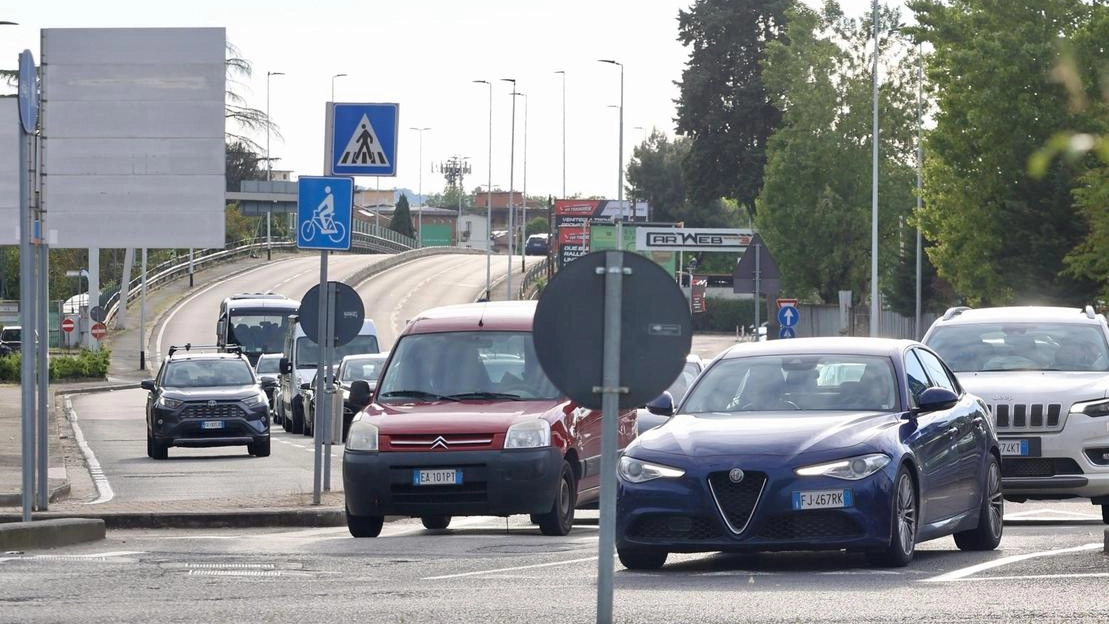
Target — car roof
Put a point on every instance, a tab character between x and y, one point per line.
485	316
1018	314
199	356
831	344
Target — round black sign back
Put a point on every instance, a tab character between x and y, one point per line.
97	314
655	331
347	313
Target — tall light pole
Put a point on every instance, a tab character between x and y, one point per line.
874	190
620	172
420	191
269	163
333	85
524	217
489	199
919	166
563	72
511	182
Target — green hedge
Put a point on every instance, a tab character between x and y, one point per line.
85	365
723	315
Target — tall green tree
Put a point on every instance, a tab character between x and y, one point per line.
655	176
723	107
402	218
815	208
1000	233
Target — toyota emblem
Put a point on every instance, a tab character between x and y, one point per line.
735	475
213	404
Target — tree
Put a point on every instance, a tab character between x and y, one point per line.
402	218
723	107
1000	234
814	211
655	176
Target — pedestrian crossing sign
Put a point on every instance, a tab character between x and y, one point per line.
361	139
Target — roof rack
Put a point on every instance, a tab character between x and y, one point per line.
269	294
1089	311
190	347
953	312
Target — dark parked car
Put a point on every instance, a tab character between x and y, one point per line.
864	444
537	245
204	397
268	367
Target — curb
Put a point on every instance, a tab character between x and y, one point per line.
49	533
193	520
16	499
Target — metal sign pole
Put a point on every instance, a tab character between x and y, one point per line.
610	403
26	308
320	343
43	329
142	314
323	401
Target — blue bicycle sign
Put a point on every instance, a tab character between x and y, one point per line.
324	212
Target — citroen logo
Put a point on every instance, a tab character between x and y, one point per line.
735	475
211	403
439	442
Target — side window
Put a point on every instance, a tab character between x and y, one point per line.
918	379
937	371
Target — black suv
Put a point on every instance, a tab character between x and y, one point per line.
203	396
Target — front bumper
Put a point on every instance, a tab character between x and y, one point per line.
687	514
494	483
194	428
1070	463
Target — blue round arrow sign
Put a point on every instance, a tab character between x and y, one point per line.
28	92
787	316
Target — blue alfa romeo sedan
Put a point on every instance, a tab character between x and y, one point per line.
858	444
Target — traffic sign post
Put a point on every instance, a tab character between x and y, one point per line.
787	318
99	330
67	325
324	206
361	139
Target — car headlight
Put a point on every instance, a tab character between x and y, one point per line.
1092	408
637	471
256	400
362	436
528	434
851	468
166	402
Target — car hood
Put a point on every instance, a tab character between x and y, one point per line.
782	434
450	417
215	393
1036	386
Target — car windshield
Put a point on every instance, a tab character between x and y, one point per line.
681	384
207	373
795	382
268	365
466	365
367	368
308	352
1025	346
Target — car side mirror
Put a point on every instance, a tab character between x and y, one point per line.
359	393
268	383
147	384
662	405
306	386
285	366
934	399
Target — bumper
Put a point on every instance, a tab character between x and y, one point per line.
194	432
688	515
494	483
1071	463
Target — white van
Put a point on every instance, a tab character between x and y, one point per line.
300	357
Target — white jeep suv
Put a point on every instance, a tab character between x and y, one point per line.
1044	371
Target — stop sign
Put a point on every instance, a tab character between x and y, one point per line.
67	325
99	330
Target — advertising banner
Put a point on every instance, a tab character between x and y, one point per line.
575	218
700	283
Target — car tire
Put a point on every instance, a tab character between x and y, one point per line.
149	445
436	522
159	450
1105	513
364	526
286	425
259	449
635	559
560	519
298	419
987	535
904	519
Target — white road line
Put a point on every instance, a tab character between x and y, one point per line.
1046	515
1040	577
500	570
958	575
99	479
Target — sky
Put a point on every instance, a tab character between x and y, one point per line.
424	55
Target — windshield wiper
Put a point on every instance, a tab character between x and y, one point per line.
485	395
422	394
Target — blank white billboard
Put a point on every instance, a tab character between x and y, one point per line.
9	171
133	136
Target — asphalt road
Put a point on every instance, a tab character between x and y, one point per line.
489	570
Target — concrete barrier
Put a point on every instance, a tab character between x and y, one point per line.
51	533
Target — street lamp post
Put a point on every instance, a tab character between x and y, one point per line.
524	217
620	172
874	190
489	198
420	191
511	182
269	163
563	72
333	85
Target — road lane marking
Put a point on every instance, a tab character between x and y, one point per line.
104	556
513	569
958	575
99	479
1035	514
1041	577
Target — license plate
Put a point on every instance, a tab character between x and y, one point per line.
212	424
1022	447
822	499
436	477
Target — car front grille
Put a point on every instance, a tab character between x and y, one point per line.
737	501
674	527
1022	417
1039	466
814	524
432	442
219	410
446	495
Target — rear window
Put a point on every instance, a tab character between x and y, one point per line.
11	334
